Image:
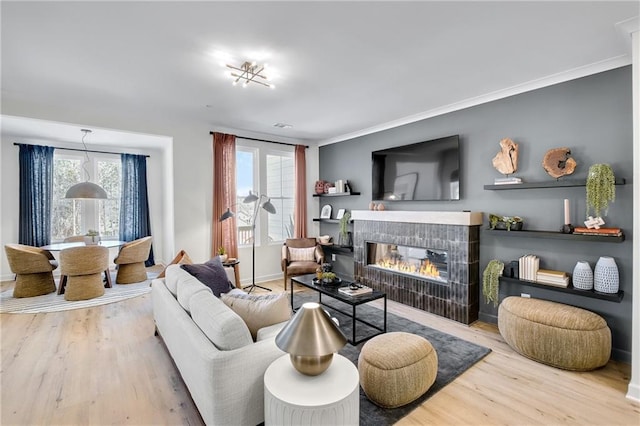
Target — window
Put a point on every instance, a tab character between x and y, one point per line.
76	217
267	172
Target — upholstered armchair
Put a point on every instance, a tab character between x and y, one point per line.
131	259
82	268
33	268
300	256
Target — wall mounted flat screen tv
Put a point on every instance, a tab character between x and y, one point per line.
423	171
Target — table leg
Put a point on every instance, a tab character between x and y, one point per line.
353	324
385	313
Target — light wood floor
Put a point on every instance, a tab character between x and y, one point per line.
105	366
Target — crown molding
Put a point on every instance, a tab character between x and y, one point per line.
572	74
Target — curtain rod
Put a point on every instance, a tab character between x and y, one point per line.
87	150
264	140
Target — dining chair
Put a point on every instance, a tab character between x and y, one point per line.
130	261
82	269
33	267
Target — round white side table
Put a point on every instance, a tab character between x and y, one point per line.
291	398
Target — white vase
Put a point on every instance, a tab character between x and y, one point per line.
582	276
605	277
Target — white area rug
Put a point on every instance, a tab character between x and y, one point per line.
53	302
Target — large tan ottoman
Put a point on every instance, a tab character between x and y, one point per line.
555	334
397	368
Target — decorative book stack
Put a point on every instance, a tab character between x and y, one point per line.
507	181
554	278
528	266
355	291
605	232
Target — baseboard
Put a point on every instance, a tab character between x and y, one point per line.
488	318
262	279
633	392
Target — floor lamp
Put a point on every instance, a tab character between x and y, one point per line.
266	204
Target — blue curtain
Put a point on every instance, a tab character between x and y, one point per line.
134	205
36	194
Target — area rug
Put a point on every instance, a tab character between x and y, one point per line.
455	355
53	302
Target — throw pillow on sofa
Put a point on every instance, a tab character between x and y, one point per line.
258	311
224	328
211	274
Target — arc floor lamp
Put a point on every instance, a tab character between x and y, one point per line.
261	201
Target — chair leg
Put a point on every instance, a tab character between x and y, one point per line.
63	283
107	278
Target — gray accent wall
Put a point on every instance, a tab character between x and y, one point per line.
591	115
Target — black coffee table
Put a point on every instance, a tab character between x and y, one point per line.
353	301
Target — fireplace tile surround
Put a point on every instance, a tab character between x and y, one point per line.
457	233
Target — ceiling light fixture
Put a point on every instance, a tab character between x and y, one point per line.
250	72
86	189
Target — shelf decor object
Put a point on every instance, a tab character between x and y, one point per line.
510	223
606	278
601	188
491	280
557	163
506	160
582	276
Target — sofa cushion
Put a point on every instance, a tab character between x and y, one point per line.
259	311
173	274
212	274
187	287
226	330
306	254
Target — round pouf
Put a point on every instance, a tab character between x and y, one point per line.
552	333
397	368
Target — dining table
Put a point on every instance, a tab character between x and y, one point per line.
62	246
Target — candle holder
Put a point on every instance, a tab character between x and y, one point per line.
567	229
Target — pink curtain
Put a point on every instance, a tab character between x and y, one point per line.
300	206
224	196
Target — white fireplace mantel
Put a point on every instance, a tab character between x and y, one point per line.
464	218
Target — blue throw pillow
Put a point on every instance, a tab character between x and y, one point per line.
211	274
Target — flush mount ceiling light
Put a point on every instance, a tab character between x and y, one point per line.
250	72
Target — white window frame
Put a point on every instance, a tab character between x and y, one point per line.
89	208
260	186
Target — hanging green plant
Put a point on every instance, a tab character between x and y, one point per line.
344	222
491	280
601	188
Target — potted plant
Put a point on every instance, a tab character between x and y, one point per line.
222	253
601	188
344	229
491	280
92	237
505	222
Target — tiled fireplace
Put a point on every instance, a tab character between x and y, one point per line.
427	260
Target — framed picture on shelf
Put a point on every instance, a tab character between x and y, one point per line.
340	213
325	213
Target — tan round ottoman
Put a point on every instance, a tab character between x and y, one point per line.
397	368
555	334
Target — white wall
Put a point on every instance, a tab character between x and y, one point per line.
185	182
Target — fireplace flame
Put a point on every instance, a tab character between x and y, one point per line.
426	268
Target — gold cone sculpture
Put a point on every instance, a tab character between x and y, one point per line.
311	338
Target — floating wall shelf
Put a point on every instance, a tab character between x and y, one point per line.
554	235
614	297
547	184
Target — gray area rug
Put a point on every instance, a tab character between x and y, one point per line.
455	355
